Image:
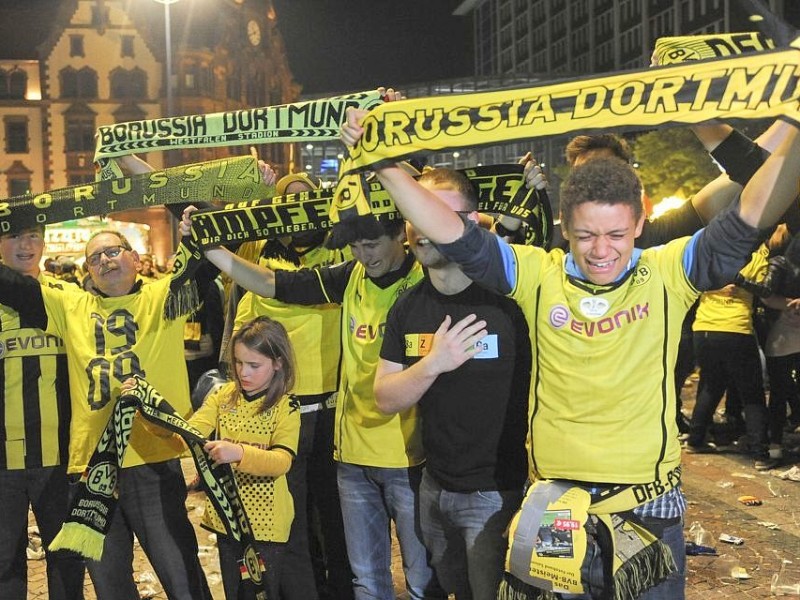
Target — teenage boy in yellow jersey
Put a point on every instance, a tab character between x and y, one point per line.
605	302
34	423
379	456
108	338
315	336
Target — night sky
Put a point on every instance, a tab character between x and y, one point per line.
350	45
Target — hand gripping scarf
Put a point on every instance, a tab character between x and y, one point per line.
91	512
501	189
548	541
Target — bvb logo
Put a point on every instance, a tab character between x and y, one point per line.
179	265
102	479
348	194
252	564
642	275
682	54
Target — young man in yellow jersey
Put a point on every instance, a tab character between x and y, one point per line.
35	409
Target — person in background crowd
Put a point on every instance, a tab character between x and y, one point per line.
202	336
147	271
782	351
726	351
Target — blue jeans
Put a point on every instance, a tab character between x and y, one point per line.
673	588
152	505
371	497
46	490
464	533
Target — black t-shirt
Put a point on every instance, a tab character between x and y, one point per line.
474	419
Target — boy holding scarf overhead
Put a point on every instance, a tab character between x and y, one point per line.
603	444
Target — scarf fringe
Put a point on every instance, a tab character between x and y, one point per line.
182	301
645	570
512	588
79	538
641	572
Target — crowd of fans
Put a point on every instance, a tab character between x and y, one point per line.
426	375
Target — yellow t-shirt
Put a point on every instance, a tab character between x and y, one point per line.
363	434
107	341
314	331
731	309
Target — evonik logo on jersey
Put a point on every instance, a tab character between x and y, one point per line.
366	331
23	343
560	317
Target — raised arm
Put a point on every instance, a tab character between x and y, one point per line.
772	137
133	165
739	156
719	193
250	276
774	186
430	216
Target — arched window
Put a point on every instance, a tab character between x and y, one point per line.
129	83
78	84
18	84
13	84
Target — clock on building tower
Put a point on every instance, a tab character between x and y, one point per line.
254	33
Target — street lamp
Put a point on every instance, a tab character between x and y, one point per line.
168	59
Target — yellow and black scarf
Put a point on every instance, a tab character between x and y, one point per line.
548	540
747	86
313	120
93	508
501	189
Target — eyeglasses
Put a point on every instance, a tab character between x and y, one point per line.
111	252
